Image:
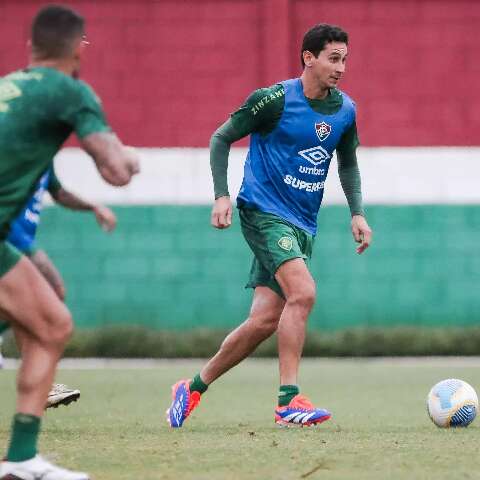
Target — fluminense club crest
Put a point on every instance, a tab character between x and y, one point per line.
323	130
286	243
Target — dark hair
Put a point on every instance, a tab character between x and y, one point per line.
319	35
55	28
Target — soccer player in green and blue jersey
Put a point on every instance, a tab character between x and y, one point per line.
40	107
294	127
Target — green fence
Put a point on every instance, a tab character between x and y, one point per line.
166	267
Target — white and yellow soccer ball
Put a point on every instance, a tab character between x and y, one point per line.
452	403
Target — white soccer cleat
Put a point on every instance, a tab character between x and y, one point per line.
61	395
37	468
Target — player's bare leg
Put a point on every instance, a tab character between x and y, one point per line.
262	322
59	394
299	288
44	325
46	267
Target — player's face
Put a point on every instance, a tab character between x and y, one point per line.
329	67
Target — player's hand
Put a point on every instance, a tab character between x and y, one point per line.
362	233
132	160
105	217
222	213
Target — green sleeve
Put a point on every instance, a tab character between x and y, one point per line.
54	185
260	113
220	144
83	111
348	170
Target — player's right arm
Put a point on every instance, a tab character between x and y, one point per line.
115	162
82	110
260	113
220	144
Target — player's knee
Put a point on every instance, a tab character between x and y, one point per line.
267	323
61	328
303	297
66	326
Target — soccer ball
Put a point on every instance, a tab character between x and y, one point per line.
452	403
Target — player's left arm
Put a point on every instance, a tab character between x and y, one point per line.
104	216
350	180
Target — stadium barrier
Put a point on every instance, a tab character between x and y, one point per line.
166	268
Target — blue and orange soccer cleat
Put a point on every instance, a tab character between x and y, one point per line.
183	402
300	412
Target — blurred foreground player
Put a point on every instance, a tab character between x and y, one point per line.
39	107
22	236
294	128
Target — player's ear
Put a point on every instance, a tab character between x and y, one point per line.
79	47
307	58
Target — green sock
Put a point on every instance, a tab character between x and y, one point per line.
23	441
286	393
197	385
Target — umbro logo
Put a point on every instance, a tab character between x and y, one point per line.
316	155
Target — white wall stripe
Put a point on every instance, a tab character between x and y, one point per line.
390	176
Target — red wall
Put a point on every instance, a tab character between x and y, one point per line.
169	72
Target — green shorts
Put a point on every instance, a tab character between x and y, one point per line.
3	326
273	241
9	256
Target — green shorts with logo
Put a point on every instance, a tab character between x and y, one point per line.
273	241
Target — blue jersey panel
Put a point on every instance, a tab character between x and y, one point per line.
285	171
24	228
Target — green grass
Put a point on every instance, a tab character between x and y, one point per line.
379	430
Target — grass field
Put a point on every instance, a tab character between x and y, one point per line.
379	429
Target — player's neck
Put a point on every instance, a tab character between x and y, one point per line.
64	66
312	89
